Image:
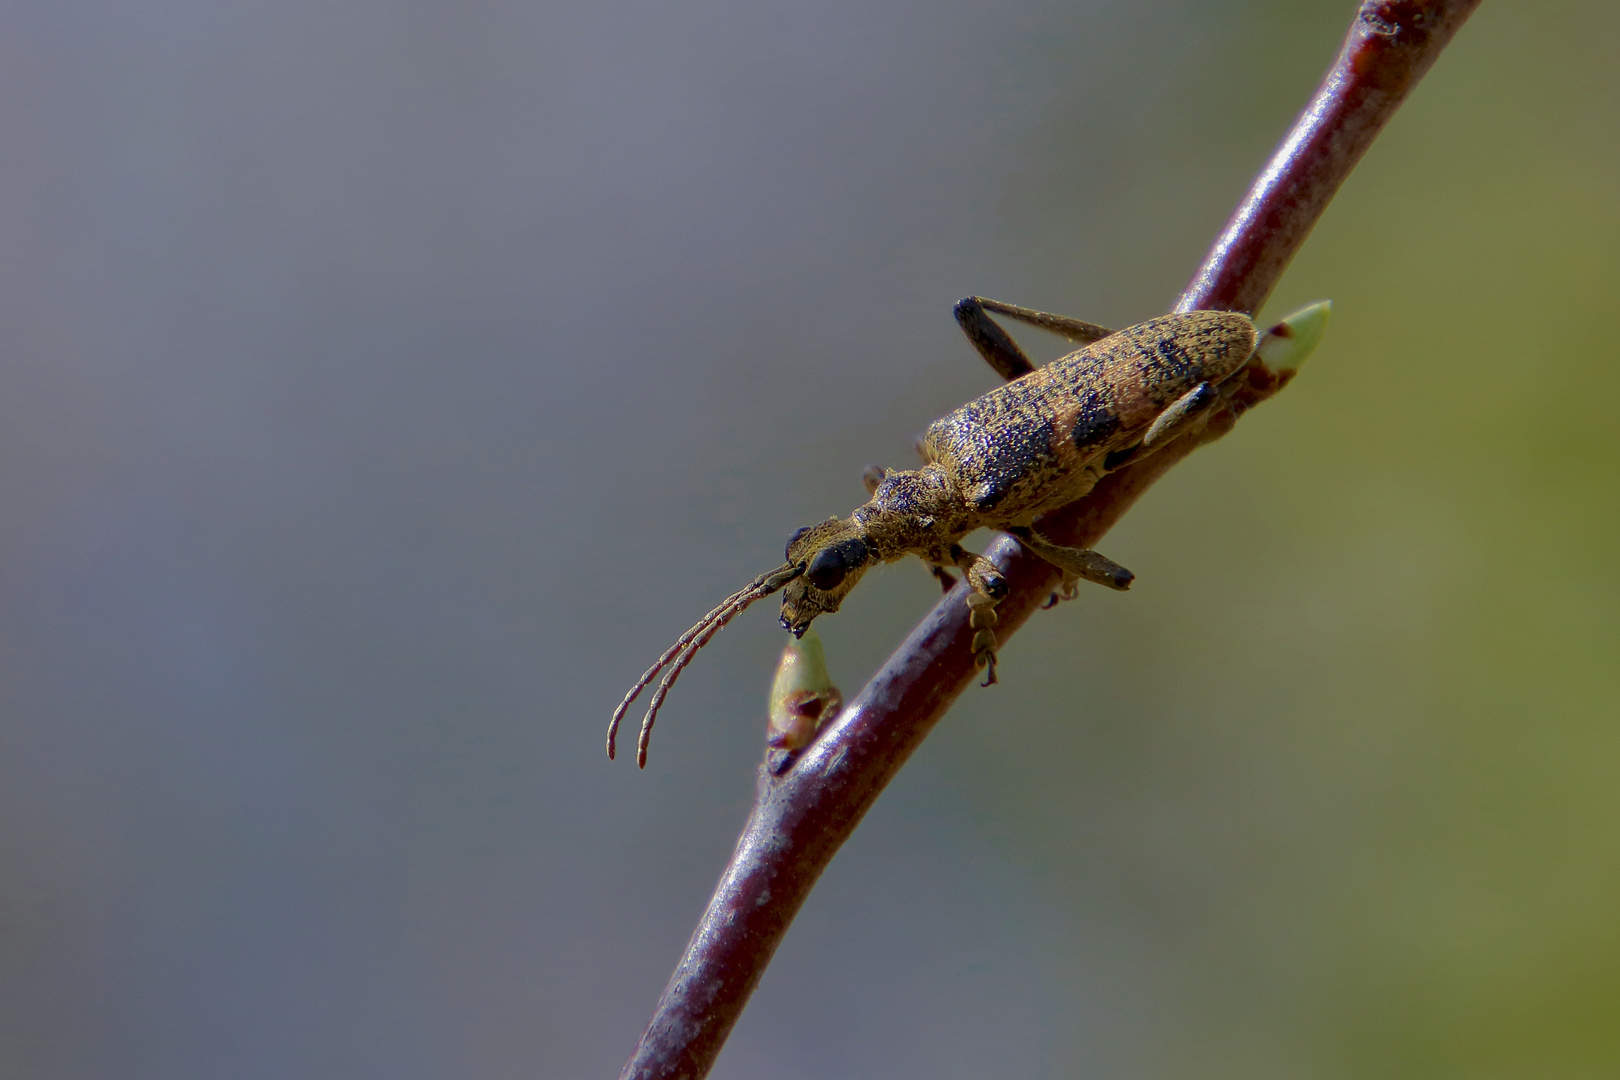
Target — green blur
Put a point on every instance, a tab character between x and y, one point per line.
1346	762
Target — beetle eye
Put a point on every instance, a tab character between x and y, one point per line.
830	566
798	534
826	571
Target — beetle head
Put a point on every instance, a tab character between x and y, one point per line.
831	556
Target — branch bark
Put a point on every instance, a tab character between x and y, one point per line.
803	816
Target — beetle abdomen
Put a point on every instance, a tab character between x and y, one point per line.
1037	442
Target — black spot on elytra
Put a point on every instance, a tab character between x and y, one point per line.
1096	422
1171	357
998	461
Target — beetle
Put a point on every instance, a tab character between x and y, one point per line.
1033	444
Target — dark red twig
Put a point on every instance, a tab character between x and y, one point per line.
803	816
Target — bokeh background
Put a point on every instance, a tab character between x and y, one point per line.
384	384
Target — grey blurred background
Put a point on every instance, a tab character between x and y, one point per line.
384	385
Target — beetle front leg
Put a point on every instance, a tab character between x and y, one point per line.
986	587
982	617
1080	562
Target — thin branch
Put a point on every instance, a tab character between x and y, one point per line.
803	816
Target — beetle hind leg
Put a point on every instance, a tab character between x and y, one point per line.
998	348
1075	562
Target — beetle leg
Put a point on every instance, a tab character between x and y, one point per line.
1067	591
1182	414
872	476
986	586
982	617
997	346
1176	419
1080	562
993	343
982	574
1076	330
947	580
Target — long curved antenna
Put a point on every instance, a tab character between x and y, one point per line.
675	668
686	646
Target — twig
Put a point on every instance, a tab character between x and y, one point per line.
802	817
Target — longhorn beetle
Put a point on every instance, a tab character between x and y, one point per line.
1036	443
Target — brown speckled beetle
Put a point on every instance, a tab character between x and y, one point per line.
1036	443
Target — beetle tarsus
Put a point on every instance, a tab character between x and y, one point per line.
983	619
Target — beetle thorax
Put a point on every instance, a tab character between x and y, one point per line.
913	511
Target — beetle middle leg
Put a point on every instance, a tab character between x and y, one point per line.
1182	414
1067	591
986	587
1080	562
1178	418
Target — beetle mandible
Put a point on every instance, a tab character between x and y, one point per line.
1036	443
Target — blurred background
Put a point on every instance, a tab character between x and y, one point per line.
384	385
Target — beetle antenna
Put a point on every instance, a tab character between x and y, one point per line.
675	669
687	645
